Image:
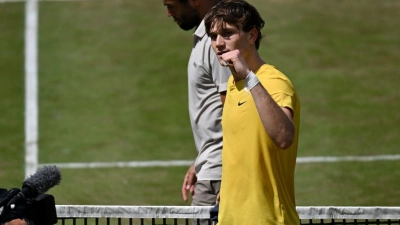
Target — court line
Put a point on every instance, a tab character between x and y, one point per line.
31	87
156	163
347	158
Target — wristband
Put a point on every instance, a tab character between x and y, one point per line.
251	80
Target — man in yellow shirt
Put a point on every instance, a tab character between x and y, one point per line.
260	123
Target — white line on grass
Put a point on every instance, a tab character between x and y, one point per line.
123	164
347	158
316	159
31	87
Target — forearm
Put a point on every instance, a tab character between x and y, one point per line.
16	222
277	123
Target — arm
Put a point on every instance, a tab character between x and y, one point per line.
277	121
189	182
16	222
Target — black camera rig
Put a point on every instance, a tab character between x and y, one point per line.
40	210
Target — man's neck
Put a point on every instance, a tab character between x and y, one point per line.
255	61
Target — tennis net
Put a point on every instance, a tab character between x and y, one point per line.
183	215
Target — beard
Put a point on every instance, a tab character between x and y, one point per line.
189	20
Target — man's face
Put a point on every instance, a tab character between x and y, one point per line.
184	15
227	38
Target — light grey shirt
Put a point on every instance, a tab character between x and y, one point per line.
207	78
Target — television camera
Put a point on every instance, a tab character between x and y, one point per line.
30	203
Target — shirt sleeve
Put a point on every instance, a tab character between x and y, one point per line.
281	89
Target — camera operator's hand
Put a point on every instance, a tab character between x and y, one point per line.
16	222
18	214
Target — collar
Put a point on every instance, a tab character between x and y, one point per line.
200	30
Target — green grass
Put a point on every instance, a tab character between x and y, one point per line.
11	93
113	87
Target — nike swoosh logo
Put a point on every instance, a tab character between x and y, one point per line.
240	103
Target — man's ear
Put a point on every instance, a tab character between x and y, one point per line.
253	35
194	3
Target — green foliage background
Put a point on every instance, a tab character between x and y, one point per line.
112	79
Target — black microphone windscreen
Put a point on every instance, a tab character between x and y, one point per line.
44	179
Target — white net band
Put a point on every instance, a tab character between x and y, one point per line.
199	212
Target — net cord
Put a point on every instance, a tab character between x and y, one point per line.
305	212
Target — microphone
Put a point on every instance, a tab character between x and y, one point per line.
40	182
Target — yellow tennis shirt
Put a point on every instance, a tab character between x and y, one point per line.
257	177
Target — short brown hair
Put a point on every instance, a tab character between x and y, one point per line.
235	12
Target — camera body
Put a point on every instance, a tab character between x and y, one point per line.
40	210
